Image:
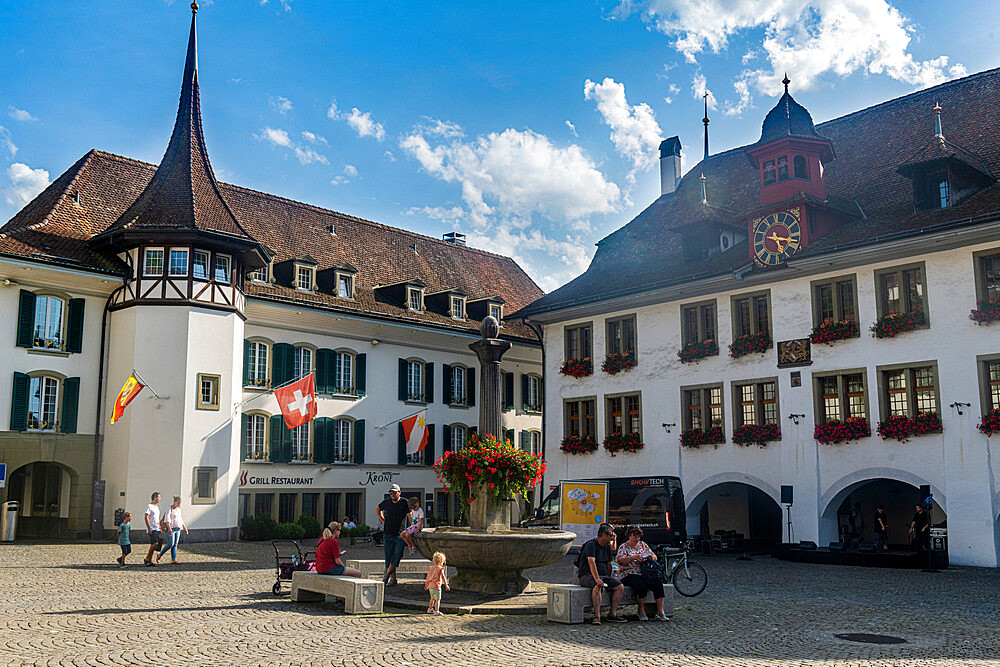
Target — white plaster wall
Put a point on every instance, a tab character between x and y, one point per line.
956	463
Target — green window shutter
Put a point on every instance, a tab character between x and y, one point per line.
359	441
509	435
26	321
244	427
429	449
446	388
321	433
524	392
429	382
70	404
361	374
246	363
280	445
401	446
508	391
446	445
19	401
282	371
323	379
402	379
525	440
335	374
472	430
470	386
74	326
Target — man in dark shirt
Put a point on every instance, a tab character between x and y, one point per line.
391	513
881	524
920	528
594	573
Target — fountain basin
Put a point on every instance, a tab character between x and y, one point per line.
492	562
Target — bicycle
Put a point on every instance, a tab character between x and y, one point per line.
689	579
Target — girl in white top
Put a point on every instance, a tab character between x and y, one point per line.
415	521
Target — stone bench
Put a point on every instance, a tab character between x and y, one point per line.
360	596
375	568
567	603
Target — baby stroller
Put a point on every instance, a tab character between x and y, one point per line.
288	557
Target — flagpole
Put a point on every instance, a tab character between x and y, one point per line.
145	384
396	421
272	389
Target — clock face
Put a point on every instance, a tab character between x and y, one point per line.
776	237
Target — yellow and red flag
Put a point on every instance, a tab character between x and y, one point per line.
415	432
129	391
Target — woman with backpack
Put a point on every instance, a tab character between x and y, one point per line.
632	555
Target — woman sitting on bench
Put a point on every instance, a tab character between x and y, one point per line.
328	554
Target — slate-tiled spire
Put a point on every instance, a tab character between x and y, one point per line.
183	194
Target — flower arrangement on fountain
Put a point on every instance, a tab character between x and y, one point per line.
990	423
751	434
902	428
893	324
579	444
497	467
835	431
577	368
618	362
986	311
828	332
749	343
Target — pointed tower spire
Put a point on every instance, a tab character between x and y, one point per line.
705	121
786	81
937	121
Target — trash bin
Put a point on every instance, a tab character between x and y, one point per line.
8	521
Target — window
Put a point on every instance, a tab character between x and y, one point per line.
535	442
352	505
310	504
698	323
457	437
48	322
909	391
702	407
900	290
416	458
286	507
178	262
300	442
987	276
458	386
579	340
222	268
768	172
415	381
800	167
254	438
991	384
458	307
624	415
257	375
345	286
841	397
204	485
259	275
782	168
303	278
496	311
208	391
833	301
200	265
414	300
532	401
751	314
43	395
262	503
581	417
343	381
933	190
302	361
621	335
756	403
343	441
152	264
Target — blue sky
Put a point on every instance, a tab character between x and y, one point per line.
530	126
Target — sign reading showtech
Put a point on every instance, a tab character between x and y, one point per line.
247	480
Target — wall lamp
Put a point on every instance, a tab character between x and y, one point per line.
667	427
959	406
795	418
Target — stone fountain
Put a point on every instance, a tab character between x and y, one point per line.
489	555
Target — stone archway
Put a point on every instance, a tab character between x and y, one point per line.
43	490
737	509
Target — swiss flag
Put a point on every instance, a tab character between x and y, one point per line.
297	401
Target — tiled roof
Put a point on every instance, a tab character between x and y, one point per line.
788	118
870	145
54	227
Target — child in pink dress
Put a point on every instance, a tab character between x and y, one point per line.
435	578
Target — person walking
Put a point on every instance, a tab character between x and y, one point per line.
857	523
391	512
174	523
436	577
152	517
920	529
881	524
124	533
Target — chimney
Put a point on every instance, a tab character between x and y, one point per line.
455	237
670	165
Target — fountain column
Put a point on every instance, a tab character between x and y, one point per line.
490	349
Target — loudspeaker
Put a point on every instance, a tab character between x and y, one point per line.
807	545
786	495
866	547
836	546
925	490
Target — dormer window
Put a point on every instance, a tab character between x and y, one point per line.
304	277
223	268
458	308
800	167
933	191
769	172
496	311
259	275
782	168
415	299
345	286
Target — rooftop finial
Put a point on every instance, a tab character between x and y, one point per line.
194	7
704	193
705	121
937	121
786	81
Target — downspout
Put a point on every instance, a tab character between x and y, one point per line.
97	501
537	330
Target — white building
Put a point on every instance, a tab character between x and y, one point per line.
215	293
810	229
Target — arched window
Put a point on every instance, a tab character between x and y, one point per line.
256	364
300	442
255	437
302	361
343	441
43	397
343	372
48	322
457	437
415	380
800	167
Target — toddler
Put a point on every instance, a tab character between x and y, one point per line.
435	578
124	538
415	523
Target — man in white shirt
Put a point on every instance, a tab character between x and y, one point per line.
152	516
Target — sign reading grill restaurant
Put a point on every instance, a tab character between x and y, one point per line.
273	480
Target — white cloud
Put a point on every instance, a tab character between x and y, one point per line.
285	4
634	130
275	136
25	183
7	141
364	125
350	171
313	138
307	155
333	112
19	114
672	90
699	86
282	105
445	129
304	154
550	261
452	215
806	38
390	156
572	128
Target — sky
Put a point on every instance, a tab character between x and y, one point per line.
531	127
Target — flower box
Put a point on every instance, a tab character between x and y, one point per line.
496	469
696	437
828	332
990	423
618	362
749	343
986	311
698	350
902	428
577	368
835	431
893	324
622	442
751	434
577	444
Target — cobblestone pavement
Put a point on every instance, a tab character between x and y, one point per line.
69	604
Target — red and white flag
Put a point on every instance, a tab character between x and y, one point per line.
297	401
415	432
